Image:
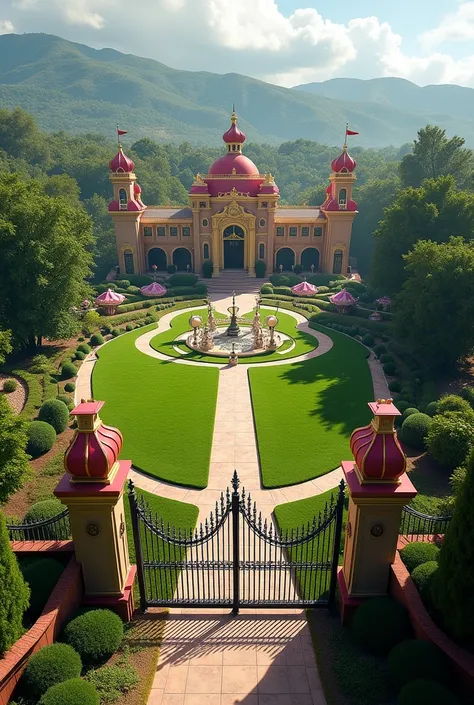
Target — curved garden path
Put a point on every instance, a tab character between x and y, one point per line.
234	444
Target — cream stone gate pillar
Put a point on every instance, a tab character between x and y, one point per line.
92	489
378	488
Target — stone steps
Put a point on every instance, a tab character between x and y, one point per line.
233	280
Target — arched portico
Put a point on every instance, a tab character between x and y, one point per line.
233	224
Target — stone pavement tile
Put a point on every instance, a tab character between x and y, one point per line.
223	440
155	697
318	697
271	655
207	657
245	454
239	679
237	698
273	679
294	653
161	675
222	455
284	699
314	680
244	439
240	656
172	699
204	679
201	699
298	679
176	681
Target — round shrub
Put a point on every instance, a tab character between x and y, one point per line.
71	692
69	401
84	348
432	408
386	358
417	553
368	339
402	405
395	386
409	411
407	390
389	368
54	412
123	283
41	575
450	439
95	635
79	355
69	387
379	624
115	332
10	385
415	429
468	394
68	370
266	289
426	692
133	289
128	327
97	339
380	349
46	509
50	665
452	402
41	437
416	658
423	576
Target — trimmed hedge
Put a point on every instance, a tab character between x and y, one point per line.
266	289
207	268
84	348
416	658
260	268
182	279
415	429
41	575
10	386
453	402
69	387
71	692
395	386
35	393
417	553
55	412
450	439
389	368
46	509
368	339
379	624
95	635
432	408
41	437
468	394
96	339
199	289
423	576
68	370
138	280
426	692
69	401
79	355
50	665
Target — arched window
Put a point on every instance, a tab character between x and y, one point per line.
337	263
261	251
205	250
123	200
128	262
343	197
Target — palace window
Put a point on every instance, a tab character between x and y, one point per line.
280	231
264	204
186	231
261	251
293	231
318	231
262	222
123	201
173	231
128	261
205	222
205	250
342	198
161	231
148	231
202	204
305	231
337	262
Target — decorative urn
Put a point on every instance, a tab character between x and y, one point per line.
376	450
93	453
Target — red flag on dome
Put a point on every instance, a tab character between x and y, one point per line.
351	132
124	132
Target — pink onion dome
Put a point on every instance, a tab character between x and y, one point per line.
121	163
376	450
343	298
344	162
233	134
137	189
230	161
110	298
153	289
304	288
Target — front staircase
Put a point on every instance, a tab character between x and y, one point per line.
230	280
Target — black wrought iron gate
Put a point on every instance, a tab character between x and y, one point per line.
237	559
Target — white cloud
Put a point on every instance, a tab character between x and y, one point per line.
254	37
6	27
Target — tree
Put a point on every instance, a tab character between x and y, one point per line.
14	593
453	584
435	155
45	260
435	211
104	250
435	308
5	344
14	466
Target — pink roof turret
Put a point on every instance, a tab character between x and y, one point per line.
344	163
233	134
153	289
121	164
304	288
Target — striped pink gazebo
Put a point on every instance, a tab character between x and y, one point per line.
109	301
343	299
153	289
304	288
384	301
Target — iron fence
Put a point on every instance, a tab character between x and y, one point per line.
415	525
56	528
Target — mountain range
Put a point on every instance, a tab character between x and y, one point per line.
72	87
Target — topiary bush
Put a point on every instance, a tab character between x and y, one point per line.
78	355
368	339
95	635
395	386
468	394
266	289
423	577
402	405
389	368
97	339
379	624
260	268
41	576
123	283
115	332
416	658
432	408
129	327
285	290
46	509
453	402
69	401
50	665
418	552
71	692
14	592
415	429
68	370
41	437
69	387
386	358
450	439
426	692
56	413
10	386
207	267
84	348
409	411
380	349
182	279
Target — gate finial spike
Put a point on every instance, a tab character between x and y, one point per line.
131	487
235	481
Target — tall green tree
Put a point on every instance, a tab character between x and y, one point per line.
14	466
435	308
104	250
14	593
435	211
45	260
5	344
434	155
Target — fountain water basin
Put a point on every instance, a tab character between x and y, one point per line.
242	343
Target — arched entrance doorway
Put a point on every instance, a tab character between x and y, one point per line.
286	257
181	259
337	264
157	256
309	257
233	237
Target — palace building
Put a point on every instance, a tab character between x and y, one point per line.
233	219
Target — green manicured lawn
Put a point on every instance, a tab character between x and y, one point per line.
304	342
305	412
164	411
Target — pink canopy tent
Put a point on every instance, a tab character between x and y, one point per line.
343	299
385	301
304	288
153	289
109	301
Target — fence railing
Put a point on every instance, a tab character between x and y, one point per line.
56	528
416	525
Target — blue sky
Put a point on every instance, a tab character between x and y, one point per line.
280	41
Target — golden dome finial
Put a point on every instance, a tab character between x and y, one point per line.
233	117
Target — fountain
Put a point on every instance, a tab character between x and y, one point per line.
211	321
233	330
207	340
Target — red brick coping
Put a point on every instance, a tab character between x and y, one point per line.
403	589
63	602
